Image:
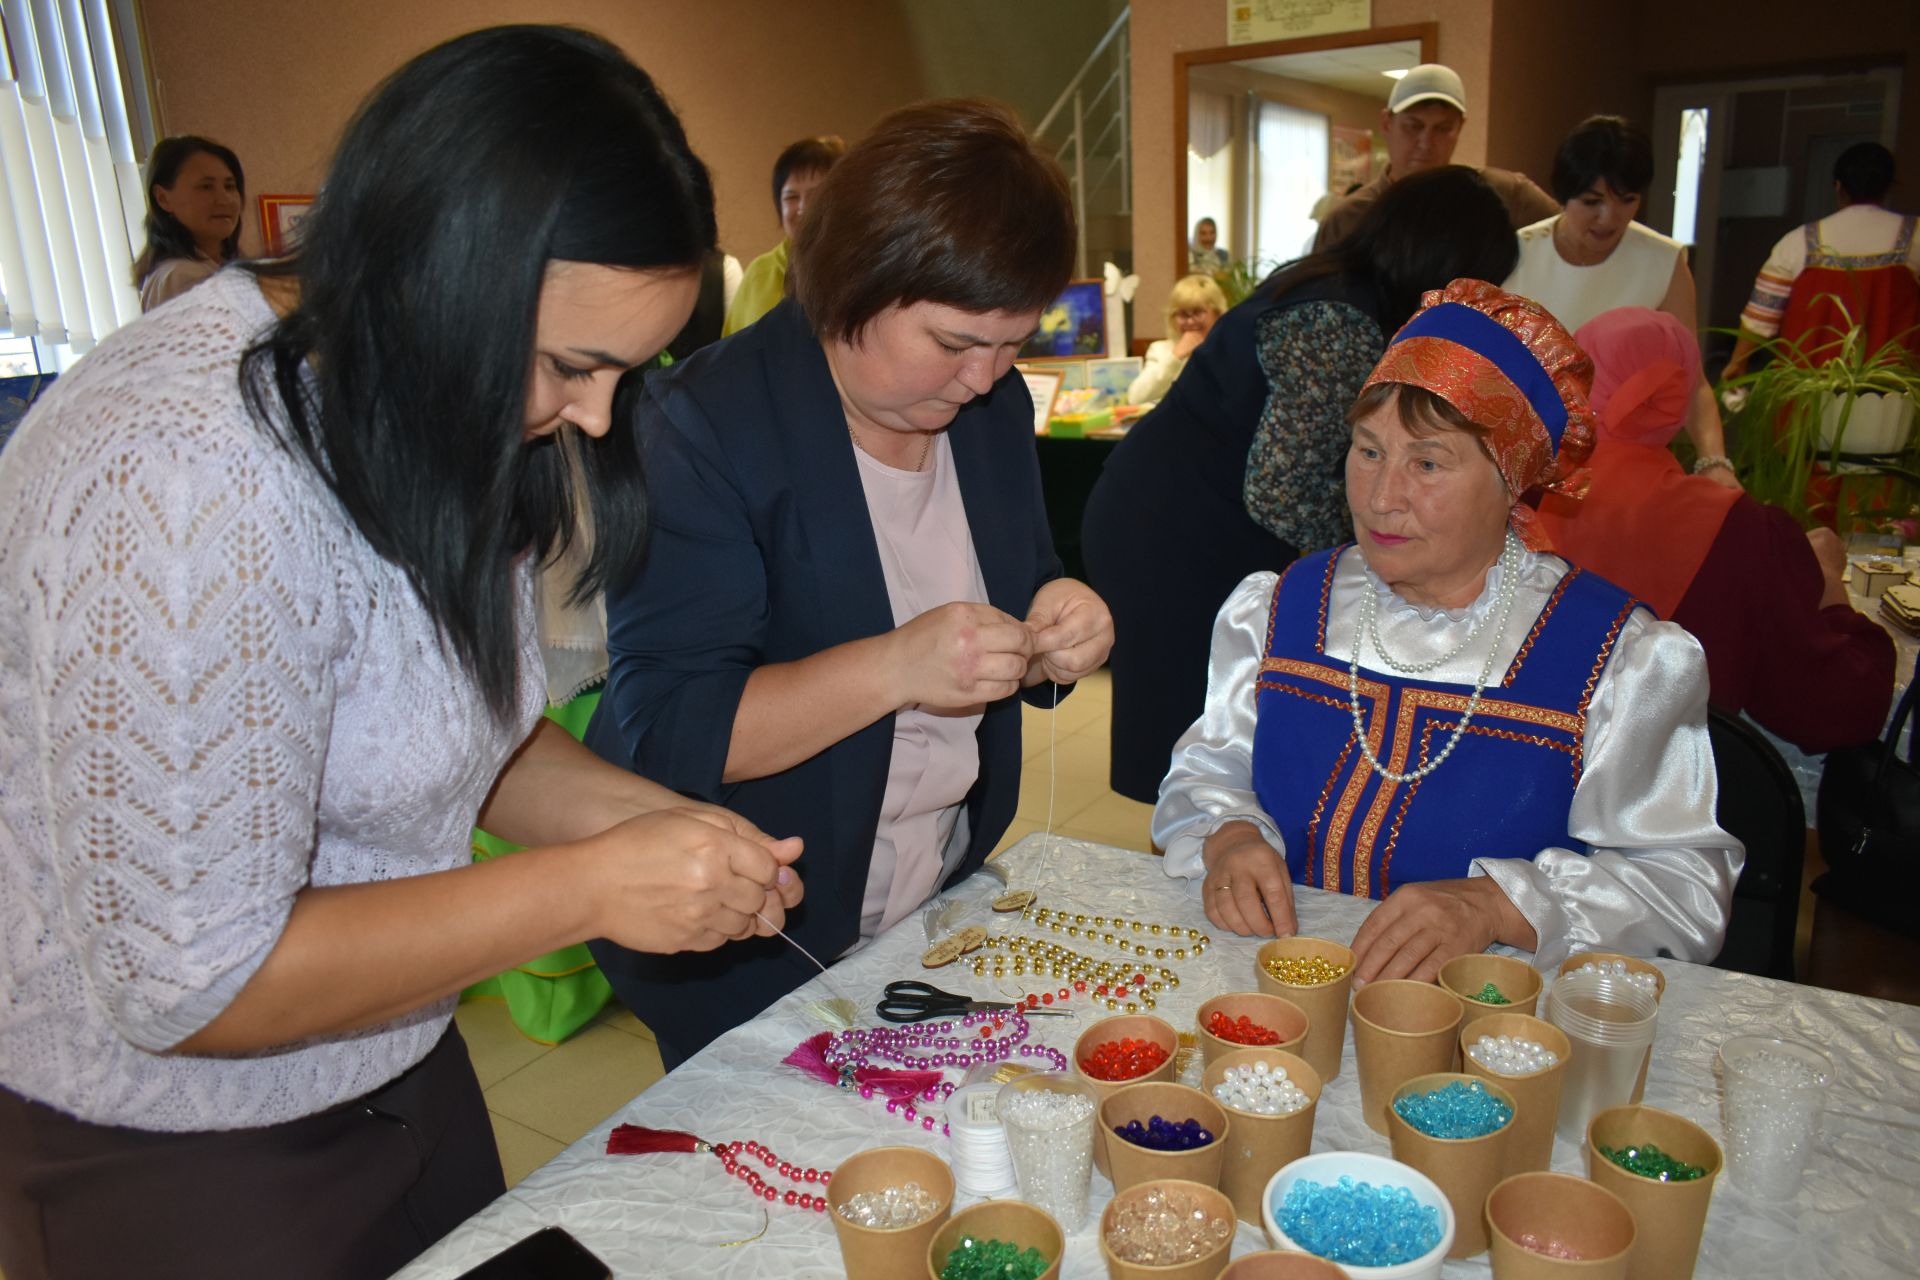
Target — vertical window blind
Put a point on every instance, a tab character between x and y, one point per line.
70	219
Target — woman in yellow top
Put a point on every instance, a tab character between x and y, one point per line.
800	168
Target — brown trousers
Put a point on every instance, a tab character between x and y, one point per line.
355	1191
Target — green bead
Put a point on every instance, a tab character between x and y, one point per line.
1490	994
1649	1161
977	1259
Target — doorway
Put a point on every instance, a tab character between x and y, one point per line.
1740	163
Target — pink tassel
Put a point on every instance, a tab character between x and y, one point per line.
903	1085
811	1057
632	1140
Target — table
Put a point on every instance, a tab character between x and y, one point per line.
1856	1216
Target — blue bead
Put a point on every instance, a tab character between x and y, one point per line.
1358	1223
1454	1111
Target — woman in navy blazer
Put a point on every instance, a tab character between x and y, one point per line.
851	576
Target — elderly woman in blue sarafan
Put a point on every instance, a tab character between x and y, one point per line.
1443	714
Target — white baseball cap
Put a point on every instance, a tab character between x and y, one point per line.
1428	82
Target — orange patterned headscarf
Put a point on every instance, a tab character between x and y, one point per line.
1512	369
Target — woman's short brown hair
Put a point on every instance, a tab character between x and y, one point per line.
946	202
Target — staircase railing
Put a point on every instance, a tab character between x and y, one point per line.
1096	99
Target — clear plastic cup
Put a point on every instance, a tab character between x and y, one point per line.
1773	1091
1610	1023
1049	1120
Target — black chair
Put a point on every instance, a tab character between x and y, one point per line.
1760	806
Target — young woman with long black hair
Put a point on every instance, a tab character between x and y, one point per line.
267	647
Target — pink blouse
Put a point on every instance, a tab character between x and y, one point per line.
926	553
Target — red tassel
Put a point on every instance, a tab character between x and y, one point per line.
632	1140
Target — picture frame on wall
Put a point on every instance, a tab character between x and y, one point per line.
280	219
1044	386
1074	327
1350	159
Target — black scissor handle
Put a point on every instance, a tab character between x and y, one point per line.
917	1001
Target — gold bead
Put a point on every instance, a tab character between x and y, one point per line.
1073	931
1173	981
994	943
1156	985
1079	919
1159	953
1179	953
1137	925
1146	1000
1154	929
1107	938
1132	1007
1055	926
1099	922
1112	1003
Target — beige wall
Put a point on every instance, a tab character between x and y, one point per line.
277	79
1538	92
1163	27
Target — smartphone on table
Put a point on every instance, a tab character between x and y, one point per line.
547	1254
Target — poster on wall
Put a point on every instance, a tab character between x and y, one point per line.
1256	21
280	221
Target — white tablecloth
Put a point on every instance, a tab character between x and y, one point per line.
1857	1214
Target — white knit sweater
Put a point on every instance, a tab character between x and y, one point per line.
212	694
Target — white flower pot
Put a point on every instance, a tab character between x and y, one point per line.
1879	424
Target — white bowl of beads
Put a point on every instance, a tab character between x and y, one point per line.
1327	1169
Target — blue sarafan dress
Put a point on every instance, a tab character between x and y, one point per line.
1508	788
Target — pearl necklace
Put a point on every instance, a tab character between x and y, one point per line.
1365	634
1509	568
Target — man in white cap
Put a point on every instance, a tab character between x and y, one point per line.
1422	122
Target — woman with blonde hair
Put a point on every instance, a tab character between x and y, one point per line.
1195	303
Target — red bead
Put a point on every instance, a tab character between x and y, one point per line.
826	1175
1066	993
769	1194
1046	997
791	1197
786	1170
1102	990
1033	1002
1139	979
809	1175
1080	986
986	1033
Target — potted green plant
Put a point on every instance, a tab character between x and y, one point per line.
1849	417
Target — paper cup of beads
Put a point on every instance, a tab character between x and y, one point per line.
1622	964
1454	1128
1377	1218
1167	1229
1270	1096
1134	1048
1401	1029
1491	984
1274	1264
1249	1020
1554	1226
1772	1092
1628	1150
1316	975
1163	1130
886	1204
1050	1122
1527	1058
1000	1232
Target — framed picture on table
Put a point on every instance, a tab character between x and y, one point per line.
1074	327
1043	384
280	220
1113	378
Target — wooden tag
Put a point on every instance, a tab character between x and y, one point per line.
971	938
941	953
1017	900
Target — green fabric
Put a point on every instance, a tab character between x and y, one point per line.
551	996
762	286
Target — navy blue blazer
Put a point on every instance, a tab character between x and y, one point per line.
763	552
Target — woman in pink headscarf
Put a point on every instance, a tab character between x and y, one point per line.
1764	599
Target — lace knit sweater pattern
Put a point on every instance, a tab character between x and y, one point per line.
213	693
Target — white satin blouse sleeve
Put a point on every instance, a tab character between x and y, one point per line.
1659	878
1210	782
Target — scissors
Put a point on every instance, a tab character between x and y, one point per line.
916	1002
